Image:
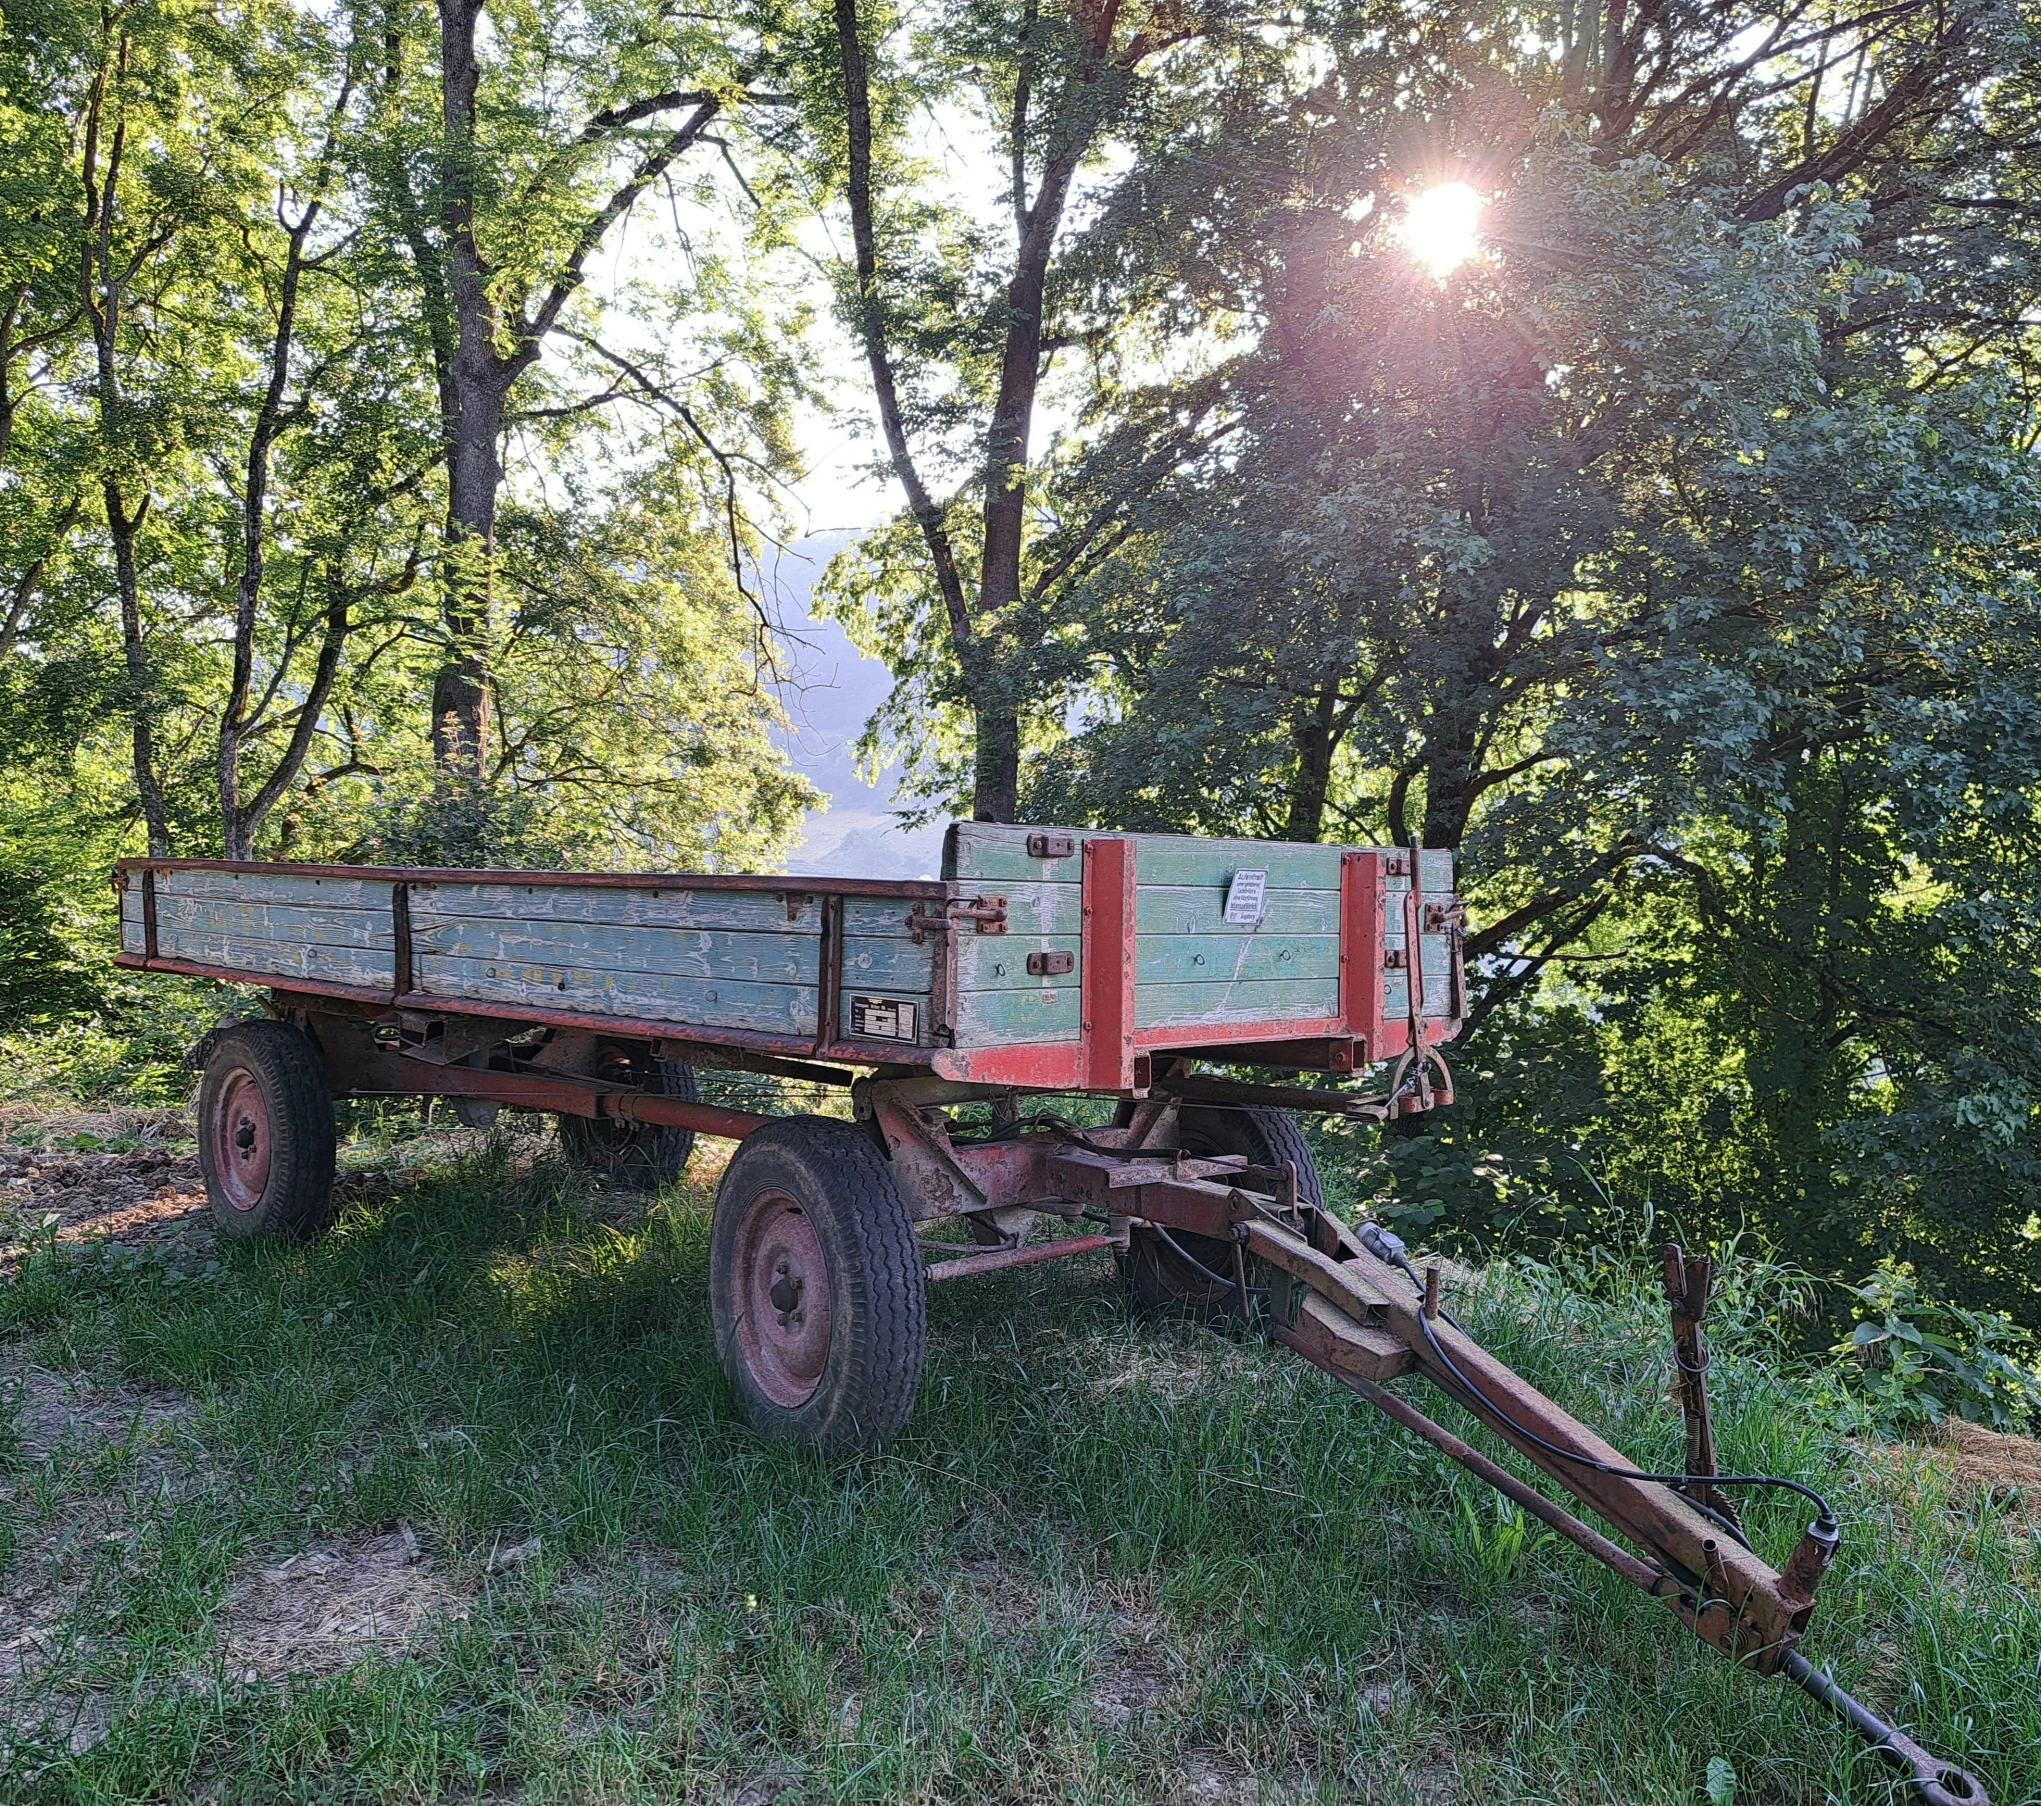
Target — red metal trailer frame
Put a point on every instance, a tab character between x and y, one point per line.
1346	1300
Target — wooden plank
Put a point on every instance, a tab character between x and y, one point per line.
282	886
985	852
1201	909
788	958
252	921
649	996
279	959
1265	1000
926	888
1015	1018
1030	909
1438	992
762	911
1215	960
892	964
875	917
1000	962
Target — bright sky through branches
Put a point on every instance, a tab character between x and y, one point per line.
1440	227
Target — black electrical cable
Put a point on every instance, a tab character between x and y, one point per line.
1218	1279
1482	1402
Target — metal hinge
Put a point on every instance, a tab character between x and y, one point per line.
988	912
1051	965
1051	846
1438	917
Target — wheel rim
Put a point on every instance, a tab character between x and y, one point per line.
241	1140
782	1299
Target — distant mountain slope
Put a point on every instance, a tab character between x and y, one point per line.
831	690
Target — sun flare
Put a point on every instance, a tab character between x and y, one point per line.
1441	227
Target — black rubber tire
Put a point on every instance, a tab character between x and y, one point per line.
1162	1271
294	1199
637	1156
878	1328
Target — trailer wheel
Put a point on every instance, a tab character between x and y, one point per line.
641	1156
1172	1274
265	1133
816	1289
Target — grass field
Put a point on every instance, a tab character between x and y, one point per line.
453	1505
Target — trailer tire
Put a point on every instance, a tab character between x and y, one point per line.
1162	1269
637	1156
265	1133
810	1206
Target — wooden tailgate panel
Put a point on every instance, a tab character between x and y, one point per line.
1195	973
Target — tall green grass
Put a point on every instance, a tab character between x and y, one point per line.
1110	1561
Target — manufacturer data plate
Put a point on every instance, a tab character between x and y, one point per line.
883	1019
1244	897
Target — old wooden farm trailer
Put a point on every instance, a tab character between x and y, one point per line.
952	1012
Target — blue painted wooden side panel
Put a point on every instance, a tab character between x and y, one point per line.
750	959
275	921
1192	966
605	991
790	958
761	912
372	967
1251	1000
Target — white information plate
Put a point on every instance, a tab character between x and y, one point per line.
882	1019
1244	898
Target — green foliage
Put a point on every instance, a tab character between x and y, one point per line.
1912	1360
235	430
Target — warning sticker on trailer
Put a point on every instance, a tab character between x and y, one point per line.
882	1019
1244	898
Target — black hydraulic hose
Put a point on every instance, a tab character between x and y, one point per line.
1384	1246
1189	1259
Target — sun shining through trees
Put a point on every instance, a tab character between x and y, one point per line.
1441	227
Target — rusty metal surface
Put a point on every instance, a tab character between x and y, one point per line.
932	1181
1687	1285
1729	1596
997	1260
928	888
1935	1782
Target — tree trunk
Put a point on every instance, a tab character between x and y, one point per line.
995	794
1313	732
125	530
102	293
460	691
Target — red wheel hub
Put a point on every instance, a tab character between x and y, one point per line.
241	1140
782	1299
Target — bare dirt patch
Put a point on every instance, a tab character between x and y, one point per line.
51	1417
47	1410
146	1193
323	1609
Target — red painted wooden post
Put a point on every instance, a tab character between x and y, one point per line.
1108	989
1361	923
